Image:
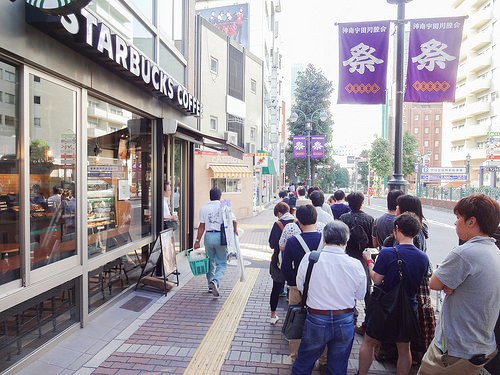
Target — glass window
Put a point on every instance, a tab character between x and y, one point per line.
171	21
426	143
171	64
10	76
236	73
417	117
253	86
145	7
37	99
437	130
214	65
9	98
437	117
213	123
426	130
436	157
119	177
1	96
9	183
415	130
252	134
143	39
227	185
426	117
52	174
436	143
37	122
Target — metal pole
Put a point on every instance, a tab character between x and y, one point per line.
398	181
308	165
419	174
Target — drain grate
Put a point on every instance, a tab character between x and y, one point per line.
136	303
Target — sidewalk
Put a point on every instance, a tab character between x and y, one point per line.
188	331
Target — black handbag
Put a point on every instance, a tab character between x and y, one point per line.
390	315
223	238
275	272
296	314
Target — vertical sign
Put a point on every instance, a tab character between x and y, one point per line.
299	147
433	58
317	146
363	62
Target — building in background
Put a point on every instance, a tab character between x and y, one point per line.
474	121
262	22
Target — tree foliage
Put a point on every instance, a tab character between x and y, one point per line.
380	157
362	171
312	95
341	178
410	147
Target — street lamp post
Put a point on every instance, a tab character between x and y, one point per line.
293	118
398	181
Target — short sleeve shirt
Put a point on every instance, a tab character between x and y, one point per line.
415	264
382	227
211	215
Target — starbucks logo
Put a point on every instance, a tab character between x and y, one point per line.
58	7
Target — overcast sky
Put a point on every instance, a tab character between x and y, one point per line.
309	35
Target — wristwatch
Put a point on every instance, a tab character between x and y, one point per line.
197	240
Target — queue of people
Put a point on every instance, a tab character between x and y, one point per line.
463	340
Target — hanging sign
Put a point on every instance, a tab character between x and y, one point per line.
433	57
299	147
317	146
363	62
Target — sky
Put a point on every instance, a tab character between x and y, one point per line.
309	36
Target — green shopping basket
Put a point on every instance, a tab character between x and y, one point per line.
198	266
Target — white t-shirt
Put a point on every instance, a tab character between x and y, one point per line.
211	215
291	229
337	280
166	209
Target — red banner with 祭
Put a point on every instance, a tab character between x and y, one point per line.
433	57
363	49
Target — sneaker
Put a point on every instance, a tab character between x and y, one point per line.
274	319
360	330
209	289
215	288
283	293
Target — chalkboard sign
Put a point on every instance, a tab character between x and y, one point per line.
154	255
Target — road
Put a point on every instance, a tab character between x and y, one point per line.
442	236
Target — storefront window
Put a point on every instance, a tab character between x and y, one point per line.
227	185
118	177
9	177
52	159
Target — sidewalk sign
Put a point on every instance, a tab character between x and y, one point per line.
163	249
233	243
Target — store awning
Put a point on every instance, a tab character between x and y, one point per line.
230	171
183	131
270	169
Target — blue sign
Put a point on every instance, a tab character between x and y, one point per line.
442	177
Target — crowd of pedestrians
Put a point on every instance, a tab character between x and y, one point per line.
348	270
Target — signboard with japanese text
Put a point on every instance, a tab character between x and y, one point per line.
299	147
363	49
443	177
444	170
433	58
317	146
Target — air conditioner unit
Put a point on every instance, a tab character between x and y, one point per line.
231	137
250	148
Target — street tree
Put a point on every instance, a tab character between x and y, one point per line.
380	157
362	170
311	96
410	147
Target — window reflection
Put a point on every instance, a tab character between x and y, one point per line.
118	177
9	176
52	156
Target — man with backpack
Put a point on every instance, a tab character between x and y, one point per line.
360	226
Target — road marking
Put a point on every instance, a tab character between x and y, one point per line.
440	224
257	226
210	355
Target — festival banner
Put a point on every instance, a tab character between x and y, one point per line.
433	58
317	146
299	147
363	49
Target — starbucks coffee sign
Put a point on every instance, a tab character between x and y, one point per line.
58	6
86	34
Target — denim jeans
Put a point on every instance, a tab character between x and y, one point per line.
218	257
334	331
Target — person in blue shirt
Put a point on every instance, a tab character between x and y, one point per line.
385	274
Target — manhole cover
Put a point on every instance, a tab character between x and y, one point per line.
136	303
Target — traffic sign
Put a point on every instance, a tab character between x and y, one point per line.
443	177
444	170
492	168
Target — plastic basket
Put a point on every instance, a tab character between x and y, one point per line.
198	266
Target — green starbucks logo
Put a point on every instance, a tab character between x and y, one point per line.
59	7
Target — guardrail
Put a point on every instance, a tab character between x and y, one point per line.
455	194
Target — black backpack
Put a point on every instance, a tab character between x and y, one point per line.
358	239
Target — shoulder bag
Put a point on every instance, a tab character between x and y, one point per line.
223	238
296	314
390	315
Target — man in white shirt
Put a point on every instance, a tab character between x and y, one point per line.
210	223
317	199
169	220
336	282
301	197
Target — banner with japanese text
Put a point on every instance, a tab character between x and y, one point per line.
433	58
317	146
299	145
363	49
